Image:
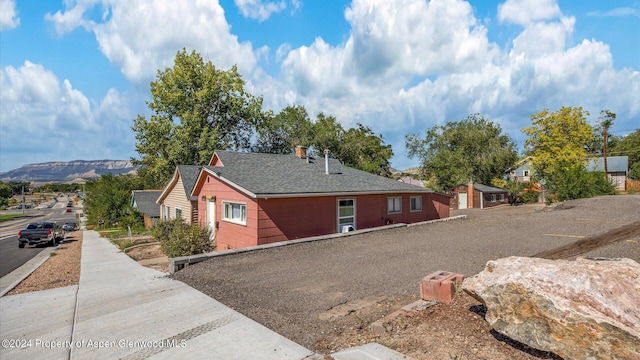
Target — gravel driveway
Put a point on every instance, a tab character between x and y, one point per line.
290	288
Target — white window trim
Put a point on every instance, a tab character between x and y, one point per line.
167	214
224	213
415	210
175	211
394	212
345	217
493	197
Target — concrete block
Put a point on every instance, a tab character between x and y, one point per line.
440	286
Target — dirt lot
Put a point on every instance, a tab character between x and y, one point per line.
325	294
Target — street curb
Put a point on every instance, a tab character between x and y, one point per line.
11	280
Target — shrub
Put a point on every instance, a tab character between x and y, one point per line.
574	182
178	238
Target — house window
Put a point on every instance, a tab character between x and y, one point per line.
178	213
493	197
501	197
235	212
525	173
394	205
416	203
167	213
346	214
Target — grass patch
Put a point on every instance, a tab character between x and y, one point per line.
121	239
124	243
7	217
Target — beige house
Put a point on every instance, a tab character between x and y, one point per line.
175	200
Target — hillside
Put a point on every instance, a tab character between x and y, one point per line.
64	171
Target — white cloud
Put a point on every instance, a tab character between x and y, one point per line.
141	37
43	119
524	12
391	43
405	66
8	15
259	10
542	38
408	65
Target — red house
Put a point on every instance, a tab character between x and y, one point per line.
252	199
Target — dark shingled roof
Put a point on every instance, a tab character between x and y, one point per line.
265	175
486	188
145	201
189	175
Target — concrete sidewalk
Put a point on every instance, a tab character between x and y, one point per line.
123	310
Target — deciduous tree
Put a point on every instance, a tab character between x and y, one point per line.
558	141
279	134
472	149
362	149
628	145
196	109
109	198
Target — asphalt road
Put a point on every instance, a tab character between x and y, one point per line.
11	257
291	288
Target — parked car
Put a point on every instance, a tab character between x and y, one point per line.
40	233
70	226
69	209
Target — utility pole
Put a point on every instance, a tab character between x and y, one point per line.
606	120
604	135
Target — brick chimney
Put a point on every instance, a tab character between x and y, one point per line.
470	194
301	151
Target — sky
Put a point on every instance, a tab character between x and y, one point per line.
75	73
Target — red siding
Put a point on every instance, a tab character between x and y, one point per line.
278	219
228	235
439	206
292	218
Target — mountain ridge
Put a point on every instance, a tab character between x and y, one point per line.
63	171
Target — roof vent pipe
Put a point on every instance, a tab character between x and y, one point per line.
326	161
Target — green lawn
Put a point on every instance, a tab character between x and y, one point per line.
7	217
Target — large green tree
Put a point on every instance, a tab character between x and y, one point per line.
628	145
362	149
109	198
357	147
196	109
558	141
472	149
279	134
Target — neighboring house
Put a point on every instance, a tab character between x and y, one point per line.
176	199
252	199
521	172
478	196
412	181
617	169
145	202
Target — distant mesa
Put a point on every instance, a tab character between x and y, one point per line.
68	171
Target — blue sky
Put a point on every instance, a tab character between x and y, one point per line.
75	73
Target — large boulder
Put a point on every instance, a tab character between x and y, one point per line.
582	309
